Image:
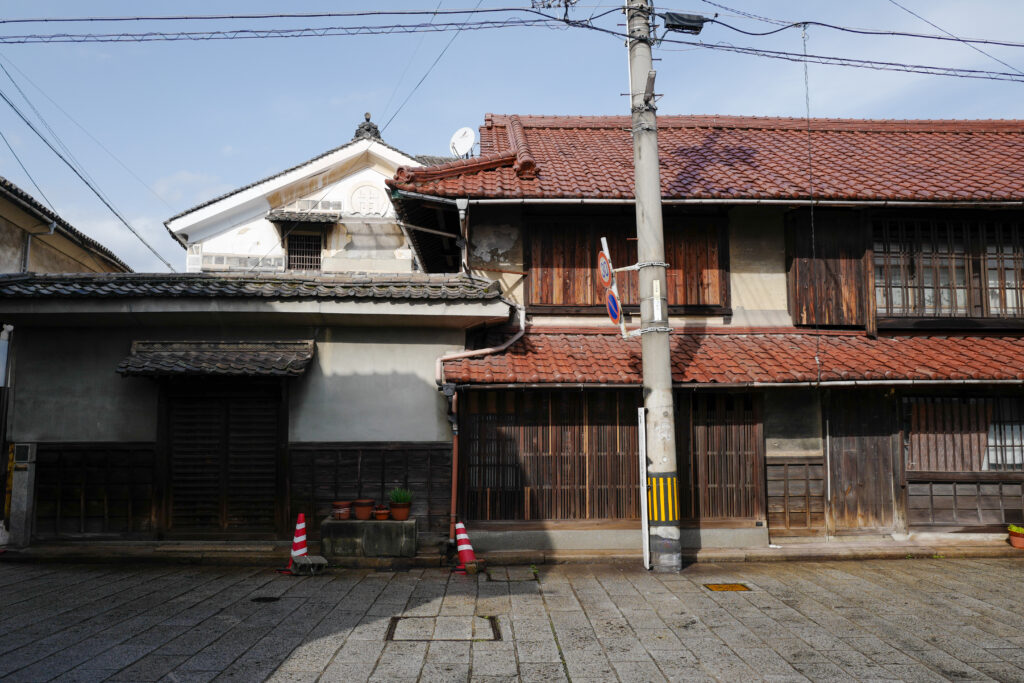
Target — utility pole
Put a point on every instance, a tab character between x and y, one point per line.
666	551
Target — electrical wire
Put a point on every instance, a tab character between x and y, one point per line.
85	130
968	43
405	70
274	15
81	177
424	77
30	178
308	32
873	32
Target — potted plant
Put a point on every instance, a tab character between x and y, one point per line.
380	512
401	501
1016	536
363	508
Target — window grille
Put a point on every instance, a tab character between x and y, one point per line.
957	268
977	434
304	252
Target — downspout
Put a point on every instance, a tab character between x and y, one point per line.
450	391
462	204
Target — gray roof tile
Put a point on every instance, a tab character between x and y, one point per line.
236	359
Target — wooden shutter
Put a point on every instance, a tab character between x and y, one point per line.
827	268
223	458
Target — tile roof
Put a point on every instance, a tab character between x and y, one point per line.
11	190
747	358
239	359
731	157
414	286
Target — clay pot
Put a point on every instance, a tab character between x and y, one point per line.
341	509
1017	539
381	515
400	511
363	508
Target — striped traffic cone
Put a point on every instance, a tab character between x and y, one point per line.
298	543
467	558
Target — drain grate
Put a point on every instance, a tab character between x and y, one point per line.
726	587
265	598
441	629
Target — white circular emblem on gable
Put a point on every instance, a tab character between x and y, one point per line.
368	199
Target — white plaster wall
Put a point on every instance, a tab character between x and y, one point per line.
373	384
757	268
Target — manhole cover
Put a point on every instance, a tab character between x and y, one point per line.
439	629
265	598
726	587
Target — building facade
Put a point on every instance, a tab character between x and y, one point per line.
847	351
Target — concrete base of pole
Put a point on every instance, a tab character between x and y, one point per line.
666	552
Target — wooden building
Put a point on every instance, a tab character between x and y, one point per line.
847	348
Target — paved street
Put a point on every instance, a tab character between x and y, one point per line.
909	620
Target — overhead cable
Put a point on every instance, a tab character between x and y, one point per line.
81	177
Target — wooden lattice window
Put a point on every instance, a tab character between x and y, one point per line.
949	267
304	251
563	263
981	434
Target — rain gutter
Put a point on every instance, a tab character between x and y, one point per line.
750	202
743	385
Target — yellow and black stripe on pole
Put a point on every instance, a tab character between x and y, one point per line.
662	498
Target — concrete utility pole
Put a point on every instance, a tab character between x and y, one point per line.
666	551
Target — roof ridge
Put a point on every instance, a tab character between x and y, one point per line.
761	122
526	165
407	174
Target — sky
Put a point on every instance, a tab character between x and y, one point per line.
163	126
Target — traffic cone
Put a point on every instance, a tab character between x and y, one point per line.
467	558
298	543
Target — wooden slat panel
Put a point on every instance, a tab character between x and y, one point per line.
321	473
861	429
563	253
826	268
964	504
547	455
95	488
796	497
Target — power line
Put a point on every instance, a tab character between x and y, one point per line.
274	15
31	179
85	130
88	184
872	32
408	63
965	42
424	77
308	32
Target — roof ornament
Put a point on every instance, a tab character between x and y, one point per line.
367	129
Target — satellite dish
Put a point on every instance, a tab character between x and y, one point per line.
462	142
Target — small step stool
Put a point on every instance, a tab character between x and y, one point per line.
308	564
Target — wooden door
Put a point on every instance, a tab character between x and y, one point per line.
861	457
223	452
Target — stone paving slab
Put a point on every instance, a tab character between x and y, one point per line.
927	619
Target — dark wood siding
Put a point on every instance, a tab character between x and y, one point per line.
95	488
861	433
549	455
720	446
827	268
964	460
223	446
796	496
562	261
321	473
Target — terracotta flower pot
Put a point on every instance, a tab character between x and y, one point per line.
400	511
341	509
381	515
1017	539
363	508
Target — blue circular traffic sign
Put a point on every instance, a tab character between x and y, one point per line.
611	302
604	269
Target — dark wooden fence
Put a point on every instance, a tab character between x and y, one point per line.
320	473
95	488
549	455
796	496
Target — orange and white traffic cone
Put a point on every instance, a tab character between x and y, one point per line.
467	558
298	543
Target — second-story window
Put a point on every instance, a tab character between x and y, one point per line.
304	251
949	267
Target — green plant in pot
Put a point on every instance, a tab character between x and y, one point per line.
1016	536
401	501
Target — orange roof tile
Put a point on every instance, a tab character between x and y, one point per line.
731	157
747	358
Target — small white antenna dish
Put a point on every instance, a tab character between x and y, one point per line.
462	142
